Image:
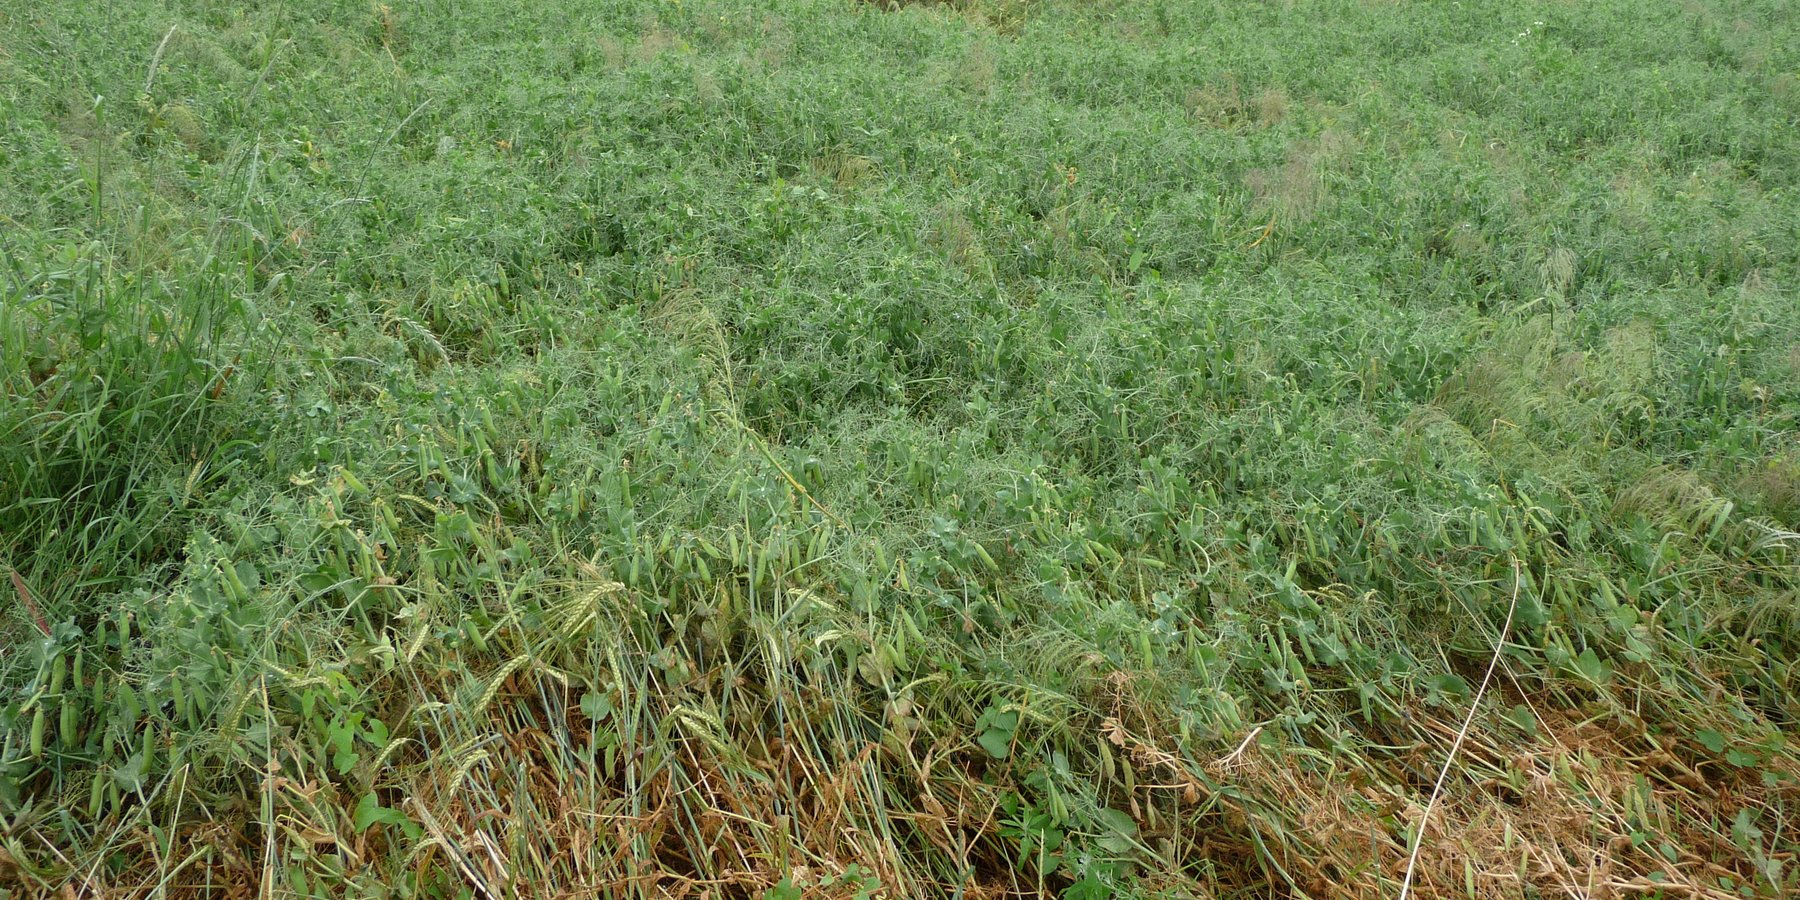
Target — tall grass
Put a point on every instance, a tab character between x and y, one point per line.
111	411
948	450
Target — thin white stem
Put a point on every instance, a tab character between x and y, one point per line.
1438	789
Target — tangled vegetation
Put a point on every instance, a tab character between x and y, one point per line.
842	449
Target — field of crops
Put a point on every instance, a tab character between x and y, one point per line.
819	448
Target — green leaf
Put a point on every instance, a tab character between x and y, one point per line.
1744	832
247	573
1743	759
1592	667
341	736
1118	821
1453	685
784	890
130	776
997	729
1088	888
596	706
1522	717
1120	830
1711	740
369	811
996	742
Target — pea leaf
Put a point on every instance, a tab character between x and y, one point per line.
997	730
369	811
1592	667
1743	759
1711	740
1120	830
1522	717
596	706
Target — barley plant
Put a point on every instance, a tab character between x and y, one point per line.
853	449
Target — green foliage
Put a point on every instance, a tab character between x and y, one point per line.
842	450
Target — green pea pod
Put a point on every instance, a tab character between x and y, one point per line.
1306	647
149	747
237	590
475	635
37	732
912	628
986	558
96	794
352	481
129	698
66	728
